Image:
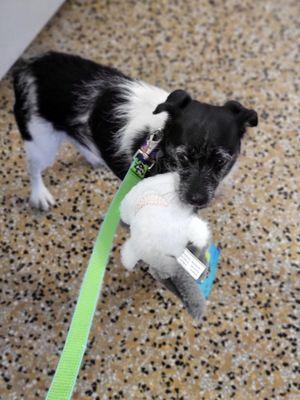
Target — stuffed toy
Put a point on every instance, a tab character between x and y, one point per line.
161	227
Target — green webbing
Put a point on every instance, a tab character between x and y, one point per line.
70	360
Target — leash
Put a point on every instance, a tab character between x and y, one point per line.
68	367
65	376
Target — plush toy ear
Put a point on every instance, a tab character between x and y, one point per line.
245	116
175	103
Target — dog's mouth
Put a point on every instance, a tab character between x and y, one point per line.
197	197
185	190
194	202
199	206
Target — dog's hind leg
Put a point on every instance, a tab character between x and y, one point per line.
41	151
91	154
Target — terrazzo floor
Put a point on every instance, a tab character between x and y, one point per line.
143	344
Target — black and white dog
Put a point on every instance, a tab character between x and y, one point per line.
108	116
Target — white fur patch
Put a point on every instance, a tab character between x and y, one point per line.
142	99
45	142
40	196
41	152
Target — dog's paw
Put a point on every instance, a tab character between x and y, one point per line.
41	199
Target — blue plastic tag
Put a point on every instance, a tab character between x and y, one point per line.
213	258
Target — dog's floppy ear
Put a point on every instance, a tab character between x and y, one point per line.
175	103
245	116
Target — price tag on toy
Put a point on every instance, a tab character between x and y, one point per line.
192	264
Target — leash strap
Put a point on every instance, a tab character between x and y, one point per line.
65	376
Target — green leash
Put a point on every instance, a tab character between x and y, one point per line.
68	367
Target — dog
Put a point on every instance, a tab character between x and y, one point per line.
108	115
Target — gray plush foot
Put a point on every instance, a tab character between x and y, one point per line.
185	287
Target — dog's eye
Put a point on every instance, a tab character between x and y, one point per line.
183	159
220	162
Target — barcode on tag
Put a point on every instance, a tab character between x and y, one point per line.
191	264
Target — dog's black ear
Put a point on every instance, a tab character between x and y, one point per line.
175	103
245	116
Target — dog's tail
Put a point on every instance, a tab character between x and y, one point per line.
198	232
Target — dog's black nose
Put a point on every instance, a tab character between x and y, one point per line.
198	199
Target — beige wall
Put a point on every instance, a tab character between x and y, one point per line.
20	22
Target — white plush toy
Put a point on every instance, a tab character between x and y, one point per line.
161	226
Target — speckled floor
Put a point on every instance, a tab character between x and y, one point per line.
143	343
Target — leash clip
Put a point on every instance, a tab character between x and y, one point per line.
147	152
149	147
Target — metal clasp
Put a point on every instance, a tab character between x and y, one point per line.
146	151
151	143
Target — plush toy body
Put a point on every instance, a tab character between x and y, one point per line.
161	226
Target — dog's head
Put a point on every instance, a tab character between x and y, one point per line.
201	142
